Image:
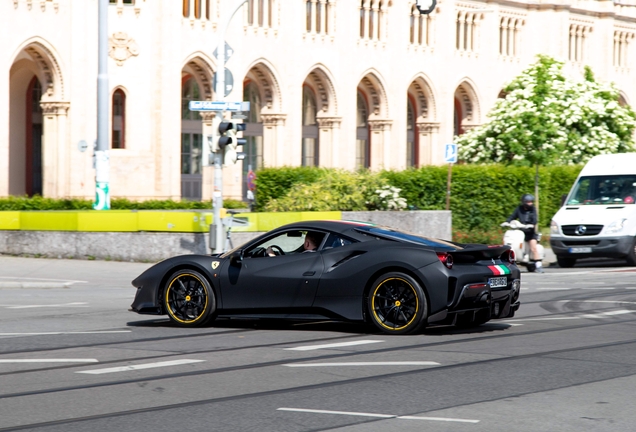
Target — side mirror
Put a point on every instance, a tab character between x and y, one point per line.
236	257
563	197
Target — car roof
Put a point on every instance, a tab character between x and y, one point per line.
338	226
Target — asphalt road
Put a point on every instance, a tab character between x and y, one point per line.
72	358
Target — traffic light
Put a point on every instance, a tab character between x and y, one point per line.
229	142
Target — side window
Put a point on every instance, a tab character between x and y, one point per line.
287	242
335	241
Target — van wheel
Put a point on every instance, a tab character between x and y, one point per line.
631	256
565	262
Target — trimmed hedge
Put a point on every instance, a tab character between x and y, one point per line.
482	196
22	203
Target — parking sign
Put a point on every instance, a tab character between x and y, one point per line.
450	153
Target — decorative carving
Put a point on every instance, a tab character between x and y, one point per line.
207	116
54	108
380	125
122	47
428	127
329	122
273	120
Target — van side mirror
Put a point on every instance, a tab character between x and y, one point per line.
563	198
236	257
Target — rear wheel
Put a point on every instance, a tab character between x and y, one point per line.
188	299
631	256
565	262
397	304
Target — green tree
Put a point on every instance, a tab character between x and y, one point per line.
547	118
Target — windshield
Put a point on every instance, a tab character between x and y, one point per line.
409	237
616	189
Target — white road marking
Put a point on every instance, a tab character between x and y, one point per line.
74	304
139	366
597	301
61	360
596	315
396	363
42	279
333	345
553	289
65	333
363	414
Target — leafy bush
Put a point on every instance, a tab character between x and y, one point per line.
274	183
333	190
18	203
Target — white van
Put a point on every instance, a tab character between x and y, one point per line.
598	217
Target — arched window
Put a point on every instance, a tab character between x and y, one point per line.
186	8
118	122
34	138
191	141
363	159
310	128
457	118
253	133
411	137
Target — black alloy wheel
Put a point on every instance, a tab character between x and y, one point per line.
397	304
189	299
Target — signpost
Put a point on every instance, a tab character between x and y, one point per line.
450	157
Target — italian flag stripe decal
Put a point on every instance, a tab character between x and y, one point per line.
499	269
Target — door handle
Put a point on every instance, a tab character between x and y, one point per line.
309	273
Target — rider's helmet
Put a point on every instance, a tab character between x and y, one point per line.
527	200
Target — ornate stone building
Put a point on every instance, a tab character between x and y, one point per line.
332	83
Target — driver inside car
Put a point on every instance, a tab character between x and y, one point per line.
311	243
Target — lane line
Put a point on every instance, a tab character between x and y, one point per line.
363	414
395	363
597	301
75	304
140	366
61	360
596	315
66	333
333	345
42	279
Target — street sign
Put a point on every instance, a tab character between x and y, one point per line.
229	82
218	106
228	52
450	153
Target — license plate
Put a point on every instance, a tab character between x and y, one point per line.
498	282
580	250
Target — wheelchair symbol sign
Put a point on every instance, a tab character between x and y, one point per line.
450	153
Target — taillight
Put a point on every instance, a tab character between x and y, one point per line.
511	256
446	259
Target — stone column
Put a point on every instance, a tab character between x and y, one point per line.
380	144
328	140
55	150
428	136
273	140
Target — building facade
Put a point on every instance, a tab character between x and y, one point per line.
332	83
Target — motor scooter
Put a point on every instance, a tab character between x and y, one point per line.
515	238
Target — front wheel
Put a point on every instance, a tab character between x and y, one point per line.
565	262
397	304
188	299
631	256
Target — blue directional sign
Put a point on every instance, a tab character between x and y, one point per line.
450	153
218	106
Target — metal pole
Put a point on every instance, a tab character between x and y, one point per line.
219	95
102	164
448	185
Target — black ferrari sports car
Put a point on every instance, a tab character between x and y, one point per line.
339	270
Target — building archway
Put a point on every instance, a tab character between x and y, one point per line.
466	109
37	159
320	123
422	129
372	119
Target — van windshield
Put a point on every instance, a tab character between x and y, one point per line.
616	189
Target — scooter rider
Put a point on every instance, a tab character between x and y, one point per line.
527	215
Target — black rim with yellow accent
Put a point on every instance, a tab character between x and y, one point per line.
186	298
394	304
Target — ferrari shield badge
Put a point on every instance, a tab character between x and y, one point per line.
215	264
